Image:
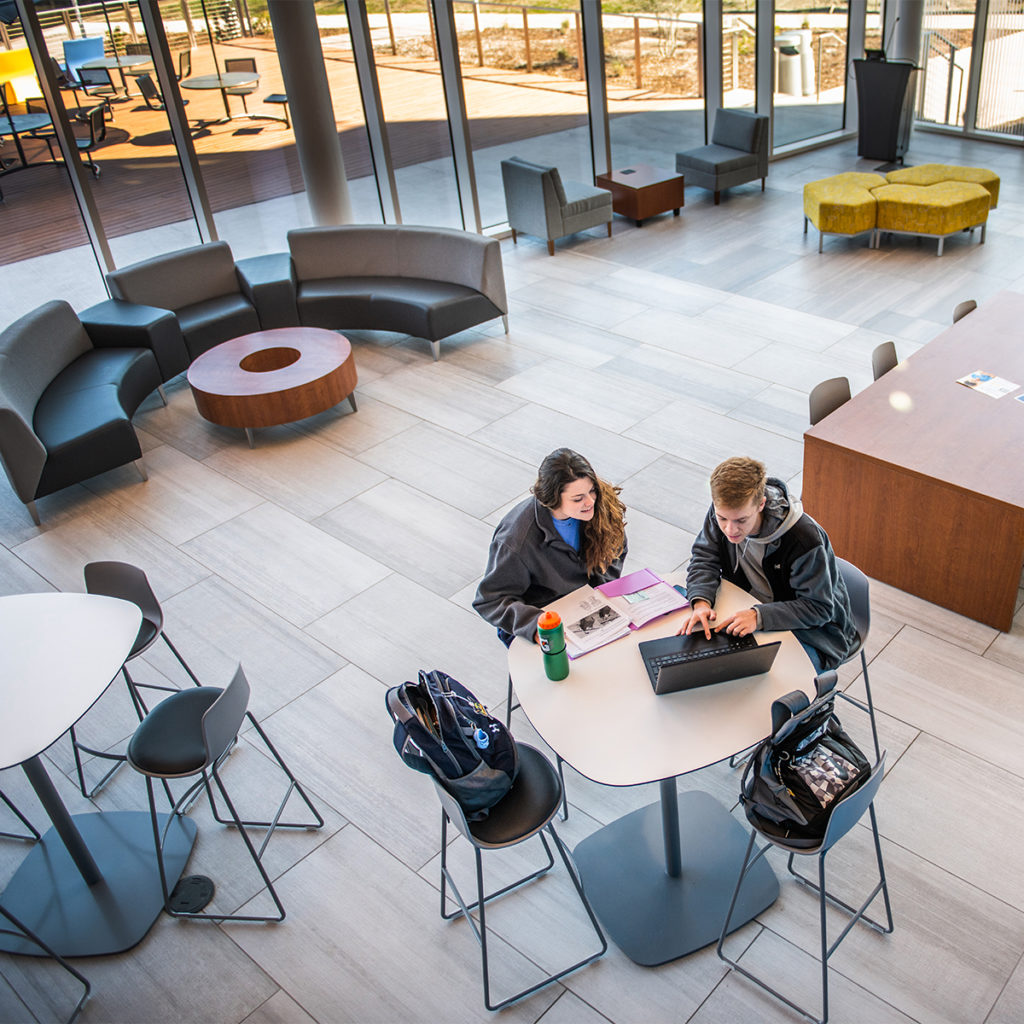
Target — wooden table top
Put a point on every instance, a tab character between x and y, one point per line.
269	361
918	418
640	176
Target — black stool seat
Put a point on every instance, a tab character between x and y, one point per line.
148	632
169	740
526	807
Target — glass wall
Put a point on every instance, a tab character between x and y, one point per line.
739	53
809	70
522	77
412	95
1001	94
655	80
947	39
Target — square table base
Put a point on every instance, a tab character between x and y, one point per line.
50	896
651	916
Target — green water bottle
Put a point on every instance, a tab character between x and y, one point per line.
552	643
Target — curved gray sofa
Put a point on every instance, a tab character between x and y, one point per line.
181	304
67	398
425	282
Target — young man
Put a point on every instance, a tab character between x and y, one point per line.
758	537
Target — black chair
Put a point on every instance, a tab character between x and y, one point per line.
883	359
64	82
527	810
150	93
189	734
96	82
847	812
860	604
129	583
19	930
184	64
37	105
97	134
241	64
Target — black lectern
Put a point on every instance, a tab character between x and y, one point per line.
884	107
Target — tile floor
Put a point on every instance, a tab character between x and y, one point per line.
656	353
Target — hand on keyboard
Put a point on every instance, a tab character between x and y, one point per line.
739	624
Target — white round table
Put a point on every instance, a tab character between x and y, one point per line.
90	885
660	887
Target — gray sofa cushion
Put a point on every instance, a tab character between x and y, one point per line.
178	279
719	159
208	323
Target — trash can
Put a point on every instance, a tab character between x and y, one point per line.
787	64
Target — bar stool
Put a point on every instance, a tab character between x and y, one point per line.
32	830
527	810
129	583
20	930
189	734
847	812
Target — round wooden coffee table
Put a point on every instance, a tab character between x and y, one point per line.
273	377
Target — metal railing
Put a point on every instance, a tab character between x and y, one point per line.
931	48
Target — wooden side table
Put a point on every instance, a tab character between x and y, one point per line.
643	191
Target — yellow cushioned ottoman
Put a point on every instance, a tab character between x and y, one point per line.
932	174
842	204
936	210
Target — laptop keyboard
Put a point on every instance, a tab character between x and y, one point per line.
661	661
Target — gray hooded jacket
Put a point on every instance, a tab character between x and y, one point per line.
529	566
789	567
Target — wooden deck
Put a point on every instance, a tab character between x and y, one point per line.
243	162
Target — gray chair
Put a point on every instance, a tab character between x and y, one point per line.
963	308
883	359
150	93
738	153
187	735
128	583
97	133
97	83
845	815
527	810
540	203
860	604
827	396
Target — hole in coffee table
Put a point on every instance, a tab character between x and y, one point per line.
268	359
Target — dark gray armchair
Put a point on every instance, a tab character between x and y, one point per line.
540	203
66	402
738	153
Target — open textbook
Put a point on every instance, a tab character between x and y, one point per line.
595	616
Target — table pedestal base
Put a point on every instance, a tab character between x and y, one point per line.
50	896
651	916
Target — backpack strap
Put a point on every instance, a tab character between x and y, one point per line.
784	708
396	706
825	682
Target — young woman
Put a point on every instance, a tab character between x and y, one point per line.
571	532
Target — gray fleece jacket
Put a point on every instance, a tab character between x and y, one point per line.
529	566
789	567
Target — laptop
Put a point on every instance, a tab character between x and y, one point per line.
682	662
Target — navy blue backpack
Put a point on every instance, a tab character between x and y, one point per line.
443	730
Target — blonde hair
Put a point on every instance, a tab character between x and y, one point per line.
738	481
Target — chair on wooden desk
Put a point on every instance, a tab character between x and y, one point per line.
527	810
187	735
827	396
963	308
883	359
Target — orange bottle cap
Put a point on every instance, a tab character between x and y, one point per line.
549	620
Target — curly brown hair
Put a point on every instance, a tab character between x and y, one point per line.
604	536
